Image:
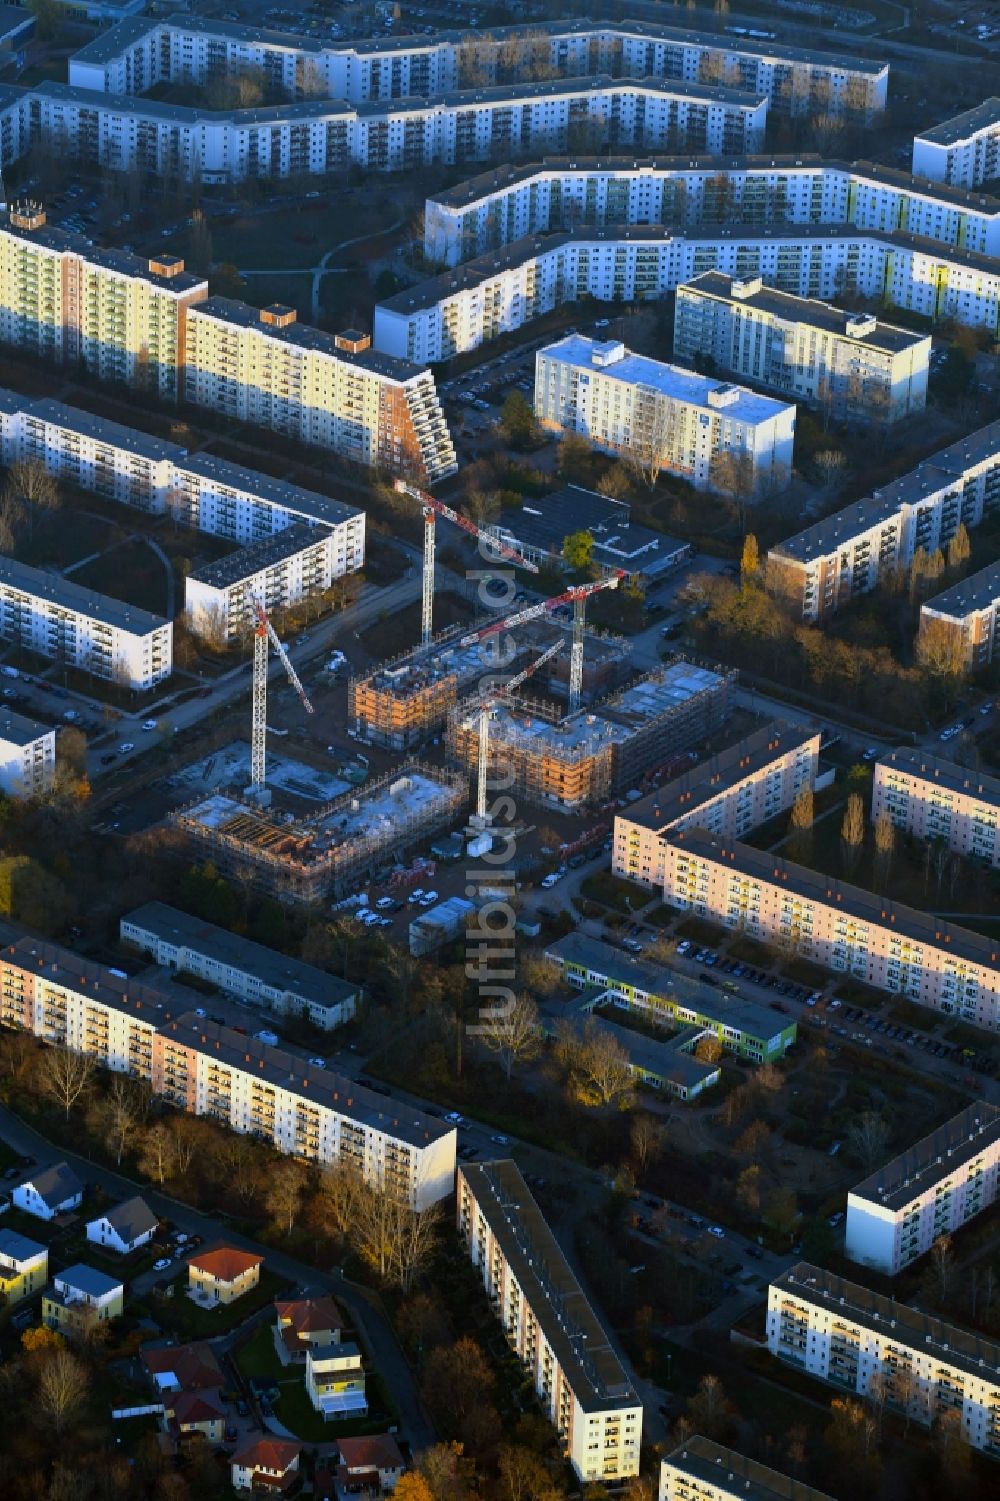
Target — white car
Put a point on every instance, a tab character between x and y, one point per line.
553	879
128	746
149	724
454	1119
384	903
415	895
318	1062
271	1038
717	1231
162	1264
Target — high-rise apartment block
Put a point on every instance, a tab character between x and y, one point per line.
661	415
570	1360
852	366
897	1213
849	553
937	800
965	617
964	151
699	1469
27	756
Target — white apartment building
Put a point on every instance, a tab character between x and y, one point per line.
702	1470
260	365
134	56
277	572
964	151
27	756
131	1027
971	610
500	292
508	203
65	300
302	1110
934	799
624	403
64	622
328	136
584	1391
238	966
930	1190
848	553
729	795
852	366
839	927
847	1336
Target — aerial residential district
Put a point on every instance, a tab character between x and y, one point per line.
500	750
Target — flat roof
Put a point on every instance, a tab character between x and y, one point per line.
110	44
150	1004
933	1158
17	1247
940	773
276	492
667	1057
717	775
619	542
122	262
806	310
961	127
303	336
501	178
942	470
100	429
485	268
238	566
660	691
14	20
66	595
758	1022
18	729
947	1343
865	906
980	591
713	1465
321	1087
549	1287
170	925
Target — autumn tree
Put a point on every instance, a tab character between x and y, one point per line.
851	1440
708	1048
66	1076
959	551
852	833
750	559
868	1138
596	1064
394	1239
413	1487
940	648
748	1190
954	1455
885	845
523	1476
286	1185
156	1152
457	1387
512	1031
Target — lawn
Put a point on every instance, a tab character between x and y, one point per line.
132	573
178	1315
622	896
258	1359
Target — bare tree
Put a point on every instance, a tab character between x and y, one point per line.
831	463
63	1383
286	1185
943	1268
596	1063
394	1239
156	1157
512	1031
66	1076
869	1139
126	1103
31	486
646	1138
732	474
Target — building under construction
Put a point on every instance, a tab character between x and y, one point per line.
407	699
332	851
590	757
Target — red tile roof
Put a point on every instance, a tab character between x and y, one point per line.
378	1452
196	1407
195	1366
310	1315
225	1263
268	1453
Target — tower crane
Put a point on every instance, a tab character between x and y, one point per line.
484	709
432	509
264	632
577	595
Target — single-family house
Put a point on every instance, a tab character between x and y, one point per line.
193	1414
80	1297
303	1324
267	1464
124	1228
335	1380
190	1368
24	1266
223	1274
370	1466
49	1192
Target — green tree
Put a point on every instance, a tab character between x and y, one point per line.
578	550
517	421
48	16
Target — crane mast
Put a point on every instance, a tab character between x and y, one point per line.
264	633
483	711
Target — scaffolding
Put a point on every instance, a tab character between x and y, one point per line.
329	852
586	759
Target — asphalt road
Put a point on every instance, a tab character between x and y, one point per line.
362	1305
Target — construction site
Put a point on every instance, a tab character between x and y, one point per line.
590	757
403	702
329	852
